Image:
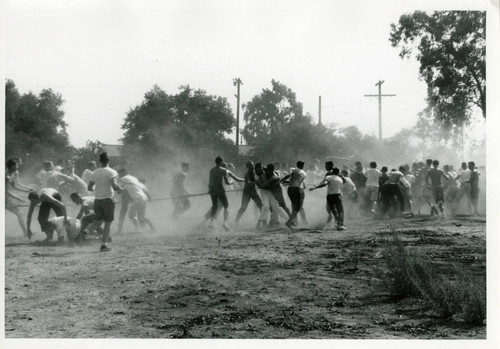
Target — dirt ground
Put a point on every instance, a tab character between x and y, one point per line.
187	282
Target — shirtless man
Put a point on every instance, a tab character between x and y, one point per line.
217	175
436	174
49	199
249	192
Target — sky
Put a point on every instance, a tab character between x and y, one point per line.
103	56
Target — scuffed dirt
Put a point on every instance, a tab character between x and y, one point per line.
242	284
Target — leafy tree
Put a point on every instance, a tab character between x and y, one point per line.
82	156
190	121
268	112
35	124
451	49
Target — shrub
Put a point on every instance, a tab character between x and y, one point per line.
416	276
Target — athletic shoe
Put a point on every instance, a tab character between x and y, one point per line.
341	227
105	248
226	227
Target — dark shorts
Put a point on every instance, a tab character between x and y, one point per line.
44	212
295	198
104	210
438	193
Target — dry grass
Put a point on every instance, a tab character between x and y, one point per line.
463	295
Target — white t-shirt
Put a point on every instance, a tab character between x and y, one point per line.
87	176
102	177
464	175
410	178
372	175
61	228
348	187
297	177
134	188
334	184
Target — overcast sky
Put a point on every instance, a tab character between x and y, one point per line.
102	56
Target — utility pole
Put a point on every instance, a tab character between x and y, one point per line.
380	95
237	82
319	111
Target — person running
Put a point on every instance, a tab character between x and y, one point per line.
49	199
406	183
105	181
269	203
474	186
334	196
391	189
179	192
349	194
465	187
249	192
139	194
217	175
295	190
359	179
12	183
436	175
372	185
273	183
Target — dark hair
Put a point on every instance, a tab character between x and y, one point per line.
11	163
74	197
335	170
329	163
358	163
373	164
472	163
258	165
384	169
33	195
435	162
345	173
402	169
270	167
446	167
300	164
428	161
104	158
218	160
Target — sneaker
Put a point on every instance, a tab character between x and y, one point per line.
105	248
341	227
226	227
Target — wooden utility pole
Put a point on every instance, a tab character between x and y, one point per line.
380	95
237	82
319	111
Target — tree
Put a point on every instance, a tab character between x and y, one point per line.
35	124
82	156
267	112
168	125
451	49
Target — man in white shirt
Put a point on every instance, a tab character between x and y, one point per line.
139	195
465	188
334	196
69	229
87	173
105	180
372	185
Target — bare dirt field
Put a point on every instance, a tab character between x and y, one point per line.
185	282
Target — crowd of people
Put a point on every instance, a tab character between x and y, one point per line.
351	193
